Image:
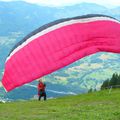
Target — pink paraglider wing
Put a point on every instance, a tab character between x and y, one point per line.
58	44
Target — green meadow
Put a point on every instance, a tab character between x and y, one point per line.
101	105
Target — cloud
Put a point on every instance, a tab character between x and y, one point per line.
108	3
66	2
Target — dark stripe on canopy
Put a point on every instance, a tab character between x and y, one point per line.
55	23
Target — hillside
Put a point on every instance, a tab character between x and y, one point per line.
102	105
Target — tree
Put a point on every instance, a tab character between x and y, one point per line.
105	84
114	82
90	90
118	80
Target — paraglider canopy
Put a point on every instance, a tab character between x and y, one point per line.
58	44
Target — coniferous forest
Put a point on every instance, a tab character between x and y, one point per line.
113	82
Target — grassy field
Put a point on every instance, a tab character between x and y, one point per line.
92	106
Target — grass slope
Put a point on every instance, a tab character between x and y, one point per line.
93	106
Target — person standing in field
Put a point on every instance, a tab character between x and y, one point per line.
41	90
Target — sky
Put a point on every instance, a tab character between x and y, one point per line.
55	3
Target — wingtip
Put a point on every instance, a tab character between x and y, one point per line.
1	85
